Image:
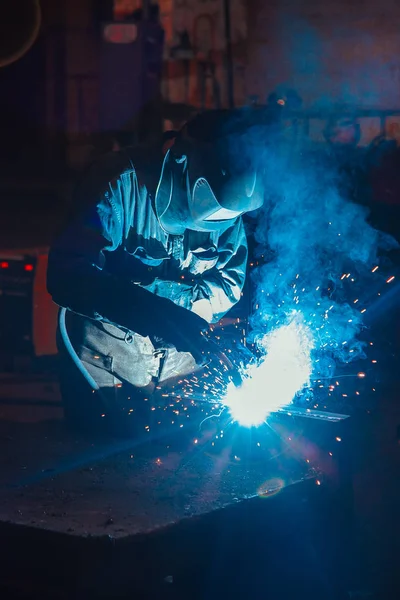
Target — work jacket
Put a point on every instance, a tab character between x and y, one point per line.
116	245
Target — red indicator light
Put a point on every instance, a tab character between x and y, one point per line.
4	265
28	267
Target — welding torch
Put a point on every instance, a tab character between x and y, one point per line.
229	359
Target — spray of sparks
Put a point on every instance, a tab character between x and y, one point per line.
291	354
284	370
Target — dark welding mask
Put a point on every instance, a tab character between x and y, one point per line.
207	181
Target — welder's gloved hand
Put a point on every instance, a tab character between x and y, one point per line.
186	331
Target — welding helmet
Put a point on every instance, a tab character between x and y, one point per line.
209	176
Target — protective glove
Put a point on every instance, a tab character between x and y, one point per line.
183	329
146	313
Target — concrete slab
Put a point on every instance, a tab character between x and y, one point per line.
95	517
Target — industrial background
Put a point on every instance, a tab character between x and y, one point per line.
101	74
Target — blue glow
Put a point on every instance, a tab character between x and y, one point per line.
284	371
314	275
318	251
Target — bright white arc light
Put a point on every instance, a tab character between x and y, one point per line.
272	384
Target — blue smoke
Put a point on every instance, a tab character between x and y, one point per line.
316	252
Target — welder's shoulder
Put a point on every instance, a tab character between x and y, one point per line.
110	166
95	181
107	169
142	163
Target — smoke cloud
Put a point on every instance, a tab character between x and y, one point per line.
315	253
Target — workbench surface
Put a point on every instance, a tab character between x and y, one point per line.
71	483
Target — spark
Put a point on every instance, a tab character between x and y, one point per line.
273	383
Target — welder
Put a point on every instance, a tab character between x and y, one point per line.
156	253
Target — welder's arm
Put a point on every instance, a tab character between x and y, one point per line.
213	293
219	289
76	279
75	276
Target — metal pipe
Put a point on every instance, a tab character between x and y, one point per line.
146	9
229	58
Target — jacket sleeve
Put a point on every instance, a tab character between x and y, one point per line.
222	286
75	275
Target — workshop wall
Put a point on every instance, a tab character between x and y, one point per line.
337	52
